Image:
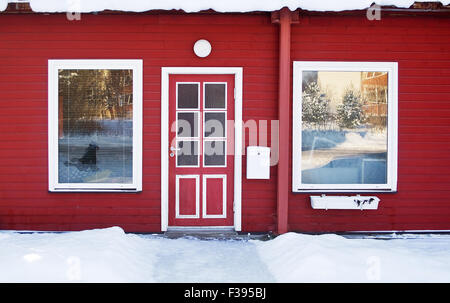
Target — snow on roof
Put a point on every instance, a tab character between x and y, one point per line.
3	5
190	6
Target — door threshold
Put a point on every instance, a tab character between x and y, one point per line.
213	232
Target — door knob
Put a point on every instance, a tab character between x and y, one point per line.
173	149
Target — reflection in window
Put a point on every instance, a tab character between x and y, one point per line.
344	127
95	126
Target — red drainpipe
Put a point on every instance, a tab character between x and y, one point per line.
284	18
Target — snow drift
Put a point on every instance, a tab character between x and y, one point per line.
103	255
327	258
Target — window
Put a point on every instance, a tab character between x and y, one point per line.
95	125
344	126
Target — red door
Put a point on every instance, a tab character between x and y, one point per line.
201	155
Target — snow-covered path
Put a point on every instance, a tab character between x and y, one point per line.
191	260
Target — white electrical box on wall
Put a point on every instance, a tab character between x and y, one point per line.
258	162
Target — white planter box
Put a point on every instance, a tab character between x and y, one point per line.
344	202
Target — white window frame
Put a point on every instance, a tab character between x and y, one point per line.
53	67
392	69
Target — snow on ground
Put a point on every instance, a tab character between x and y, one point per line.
110	255
103	255
191	260
331	258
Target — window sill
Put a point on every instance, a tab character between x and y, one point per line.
337	191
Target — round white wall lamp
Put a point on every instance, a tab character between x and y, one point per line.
202	48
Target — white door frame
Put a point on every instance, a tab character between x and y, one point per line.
238	74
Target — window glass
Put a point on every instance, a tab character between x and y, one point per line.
214	153
187	124
95	126
215	95
187	153
187	95
344	127
215	124
344	132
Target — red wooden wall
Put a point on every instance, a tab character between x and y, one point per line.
419	44
28	41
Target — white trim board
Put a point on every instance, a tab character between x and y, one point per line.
238	76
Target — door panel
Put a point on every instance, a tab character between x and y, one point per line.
187	196
214	196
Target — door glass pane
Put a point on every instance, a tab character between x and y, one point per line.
215	95
95	126
215	125
187	95
187	154
214	153
187	124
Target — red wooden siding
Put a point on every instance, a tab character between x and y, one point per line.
28	41
421	47
419	44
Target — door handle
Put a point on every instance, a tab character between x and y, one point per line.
172	150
